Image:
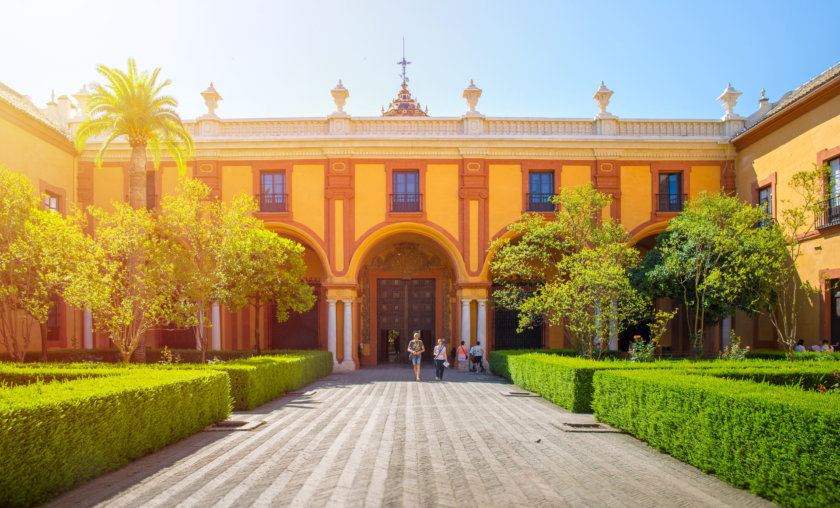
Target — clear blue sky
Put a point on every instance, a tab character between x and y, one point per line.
667	59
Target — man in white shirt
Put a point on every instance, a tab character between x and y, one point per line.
476	354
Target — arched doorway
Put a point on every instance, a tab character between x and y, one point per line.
406	285
303	330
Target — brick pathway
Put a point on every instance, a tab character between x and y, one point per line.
375	437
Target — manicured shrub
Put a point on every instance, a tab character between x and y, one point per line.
772	354
259	379
565	381
780	442
62	426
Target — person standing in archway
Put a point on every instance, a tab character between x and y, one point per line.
415	351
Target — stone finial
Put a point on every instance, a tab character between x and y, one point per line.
211	99
340	95
729	97
602	95
82	97
472	94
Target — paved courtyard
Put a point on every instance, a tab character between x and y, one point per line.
375	437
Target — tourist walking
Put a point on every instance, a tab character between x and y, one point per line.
415	352
461	357
441	359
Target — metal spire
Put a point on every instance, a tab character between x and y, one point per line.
403	62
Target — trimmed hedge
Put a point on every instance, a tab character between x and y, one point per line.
565	381
257	380
780	442
111	355
55	435
568	381
773	354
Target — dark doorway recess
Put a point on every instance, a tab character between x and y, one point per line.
506	336
300	331
404	306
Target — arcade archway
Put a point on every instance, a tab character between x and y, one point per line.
405	285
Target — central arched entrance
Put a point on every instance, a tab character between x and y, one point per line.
405	286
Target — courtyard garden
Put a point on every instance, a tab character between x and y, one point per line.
62	424
768	426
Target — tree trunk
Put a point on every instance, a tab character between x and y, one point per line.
257	328
43	327
137	200
137	177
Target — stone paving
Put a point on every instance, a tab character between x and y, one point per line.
375	437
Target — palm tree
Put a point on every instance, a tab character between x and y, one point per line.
130	105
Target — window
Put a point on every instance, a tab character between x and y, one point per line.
831	217
670	197
50	201
765	200
540	191
406	191
273	188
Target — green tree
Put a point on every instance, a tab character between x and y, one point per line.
131	105
39	250
200	225
795	221
257	267
714	259
131	283
570	271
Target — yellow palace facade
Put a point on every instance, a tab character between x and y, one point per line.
397	211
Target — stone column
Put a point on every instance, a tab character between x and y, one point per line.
725	329
465	321
348	336
481	328
87	330
331	330
216	331
613	325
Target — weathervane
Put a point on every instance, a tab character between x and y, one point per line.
403	62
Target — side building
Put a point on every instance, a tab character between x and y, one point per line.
800	131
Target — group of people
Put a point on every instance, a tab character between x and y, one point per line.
441	358
825	348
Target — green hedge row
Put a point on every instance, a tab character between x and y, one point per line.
111	355
257	380
568	381
56	434
772	354
780	442
565	381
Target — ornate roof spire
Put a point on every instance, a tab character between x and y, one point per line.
404	104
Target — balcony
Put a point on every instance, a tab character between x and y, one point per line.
273	202
670	203
406	202
831	215
540	202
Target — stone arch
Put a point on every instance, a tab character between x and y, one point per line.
408	261
312	245
370	240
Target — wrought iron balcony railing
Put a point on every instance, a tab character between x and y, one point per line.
831	216
273	202
402	202
670	202
540	202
